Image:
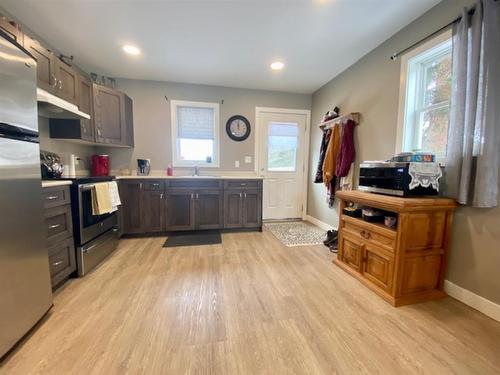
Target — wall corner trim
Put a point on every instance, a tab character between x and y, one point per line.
319	223
473	300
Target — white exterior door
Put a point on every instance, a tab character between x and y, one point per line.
282	152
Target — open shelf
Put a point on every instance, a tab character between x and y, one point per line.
376	227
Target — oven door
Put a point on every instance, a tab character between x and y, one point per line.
91	226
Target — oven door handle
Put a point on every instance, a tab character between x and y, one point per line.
88	249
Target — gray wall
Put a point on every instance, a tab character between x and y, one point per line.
152	120
371	86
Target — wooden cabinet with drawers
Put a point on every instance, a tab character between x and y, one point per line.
403	265
59	233
177	204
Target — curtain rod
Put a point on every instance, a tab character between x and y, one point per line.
394	56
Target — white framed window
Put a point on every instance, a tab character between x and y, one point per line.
195	133
424	97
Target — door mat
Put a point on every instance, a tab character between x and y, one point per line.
193	238
298	233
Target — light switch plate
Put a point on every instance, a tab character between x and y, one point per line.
237	163
248	159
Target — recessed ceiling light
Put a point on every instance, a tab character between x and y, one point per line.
131	50
277	65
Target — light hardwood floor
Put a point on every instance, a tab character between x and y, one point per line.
248	306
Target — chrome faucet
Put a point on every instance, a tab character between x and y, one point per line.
196	171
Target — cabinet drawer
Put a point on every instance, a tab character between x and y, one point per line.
385	238
56	196
195	183
62	260
242	184
153	185
58	224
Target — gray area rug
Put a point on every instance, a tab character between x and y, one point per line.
297	233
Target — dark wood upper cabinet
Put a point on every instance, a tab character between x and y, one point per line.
12	31
46	65
111	108
67	82
85	105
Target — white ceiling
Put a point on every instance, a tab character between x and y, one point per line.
225	43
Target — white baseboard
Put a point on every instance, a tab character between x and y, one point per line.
475	301
319	223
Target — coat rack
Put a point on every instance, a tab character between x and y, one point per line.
354	116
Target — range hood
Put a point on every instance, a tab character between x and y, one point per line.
51	106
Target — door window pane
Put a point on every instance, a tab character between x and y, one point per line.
282	147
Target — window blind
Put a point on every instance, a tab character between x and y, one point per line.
283	129
195	122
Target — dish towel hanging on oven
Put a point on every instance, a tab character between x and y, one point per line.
115	195
101	199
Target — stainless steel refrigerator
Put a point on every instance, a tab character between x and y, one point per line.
25	290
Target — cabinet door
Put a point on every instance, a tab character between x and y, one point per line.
131	192
108	115
46	65
85	105
351	252
11	30
180	209
233	209
378	267
67	85
209	209
252	208
153	208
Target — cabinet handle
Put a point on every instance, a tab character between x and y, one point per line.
161	195
140	186
155	185
52	197
241	195
197	196
366	235
55	81
192	196
58	263
54	226
60	85
243	184
245	195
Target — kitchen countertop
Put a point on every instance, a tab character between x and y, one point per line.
47	184
189	177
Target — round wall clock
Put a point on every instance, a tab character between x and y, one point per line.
238	128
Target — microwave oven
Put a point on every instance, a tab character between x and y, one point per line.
390	178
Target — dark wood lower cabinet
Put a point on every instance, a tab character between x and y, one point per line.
180	209
209	209
151	206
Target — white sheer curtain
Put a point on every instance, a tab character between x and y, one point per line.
473	155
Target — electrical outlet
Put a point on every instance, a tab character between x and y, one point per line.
248	159
237	163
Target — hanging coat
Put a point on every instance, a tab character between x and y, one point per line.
332	151
347	152
322	151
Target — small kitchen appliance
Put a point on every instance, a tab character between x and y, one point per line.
51	165
143	167
390	178
100	165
